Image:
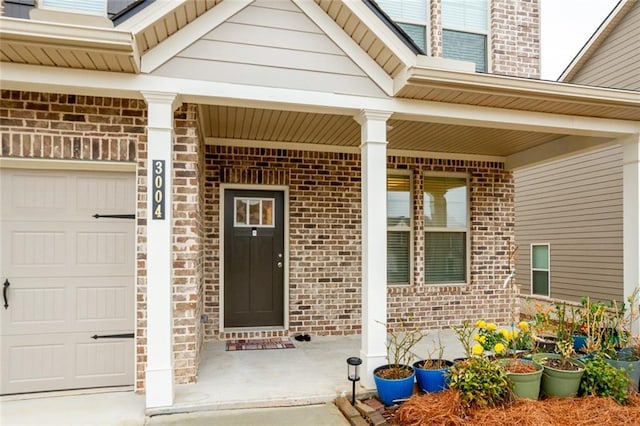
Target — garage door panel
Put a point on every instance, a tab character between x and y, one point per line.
71	361
72	277
65	305
67	249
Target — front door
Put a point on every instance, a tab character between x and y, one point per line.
254	260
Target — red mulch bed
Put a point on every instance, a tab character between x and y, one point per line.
445	408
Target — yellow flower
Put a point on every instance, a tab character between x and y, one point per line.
476	337
523	325
477	349
491	326
515	333
482	339
504	332
498	348
481	324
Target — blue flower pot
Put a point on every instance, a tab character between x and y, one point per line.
390	390
579	342
432	380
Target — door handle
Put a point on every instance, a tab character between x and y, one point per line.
5	290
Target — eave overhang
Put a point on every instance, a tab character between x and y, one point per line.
516	93
70	46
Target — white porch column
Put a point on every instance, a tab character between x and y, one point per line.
631	218
374	242
159	373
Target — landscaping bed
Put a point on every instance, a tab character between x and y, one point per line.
446	408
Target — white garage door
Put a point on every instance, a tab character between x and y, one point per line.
67	277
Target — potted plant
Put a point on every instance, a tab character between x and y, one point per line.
603	379
561	374
525	375
431	372
627	354
394	381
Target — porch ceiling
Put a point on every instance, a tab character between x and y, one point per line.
224	124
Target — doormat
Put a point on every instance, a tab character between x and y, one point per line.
258	344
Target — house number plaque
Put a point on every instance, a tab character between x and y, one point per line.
158	190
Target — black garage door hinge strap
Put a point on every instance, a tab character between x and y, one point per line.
113	336
114	216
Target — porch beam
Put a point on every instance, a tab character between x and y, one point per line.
374	241
159	388
100	83
631	221
555	150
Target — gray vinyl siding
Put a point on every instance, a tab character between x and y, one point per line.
616	63
575	205
271	44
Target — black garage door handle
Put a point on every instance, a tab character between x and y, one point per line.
5	289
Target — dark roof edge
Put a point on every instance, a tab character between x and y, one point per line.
397	30
129	11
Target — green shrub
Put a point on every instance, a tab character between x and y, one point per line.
603	379
480	382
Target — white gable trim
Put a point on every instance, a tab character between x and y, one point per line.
346	43
169	48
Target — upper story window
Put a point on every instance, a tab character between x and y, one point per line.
411	16
398	229
446	226
95	7
464	31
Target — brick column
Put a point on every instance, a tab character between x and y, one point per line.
374	241
631	219
159	371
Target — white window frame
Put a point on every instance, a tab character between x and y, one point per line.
486	33
395	172
548	270
466	230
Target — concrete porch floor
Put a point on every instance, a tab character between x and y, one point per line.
312	373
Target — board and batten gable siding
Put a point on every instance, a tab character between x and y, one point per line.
616	63
272	44
575	205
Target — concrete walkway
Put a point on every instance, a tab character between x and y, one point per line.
316	415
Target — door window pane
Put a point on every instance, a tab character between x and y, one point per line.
254	212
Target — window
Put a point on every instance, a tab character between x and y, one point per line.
464	33
540	269
446	229
411	16
98	7
398	229
253	212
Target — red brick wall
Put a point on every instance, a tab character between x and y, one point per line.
325	244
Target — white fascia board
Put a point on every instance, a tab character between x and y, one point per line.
206	22
556	150
346	44
100	83
69	36
384	34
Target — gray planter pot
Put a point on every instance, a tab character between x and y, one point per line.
556	382
626	359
